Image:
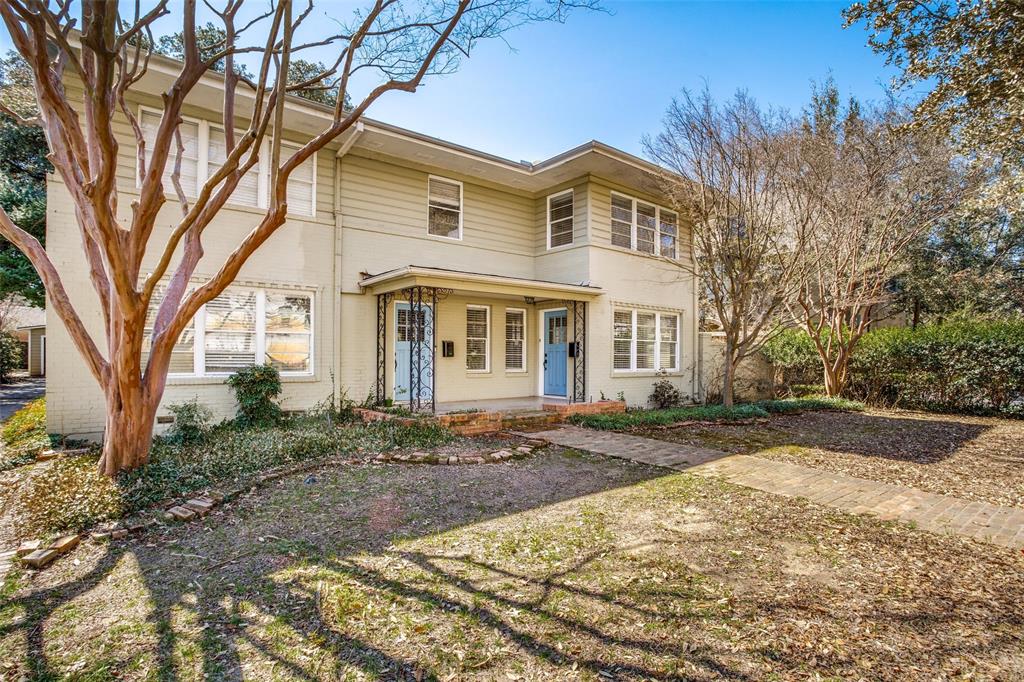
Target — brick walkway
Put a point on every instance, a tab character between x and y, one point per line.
937	513
636	448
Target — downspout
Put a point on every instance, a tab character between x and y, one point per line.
336	273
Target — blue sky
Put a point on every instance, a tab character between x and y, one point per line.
610	76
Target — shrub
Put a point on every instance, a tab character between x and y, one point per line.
665	395
24	435
970	366
787	405
794	357
71	494
11	357
256	388
191	422
667	417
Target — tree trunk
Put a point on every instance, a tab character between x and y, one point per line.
729	375
131	413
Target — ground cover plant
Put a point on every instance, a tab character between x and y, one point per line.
24	435
69	494
565	566
667	417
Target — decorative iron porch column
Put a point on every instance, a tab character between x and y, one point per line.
579	360
422	347
383	300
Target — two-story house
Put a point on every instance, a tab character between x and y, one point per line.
411	268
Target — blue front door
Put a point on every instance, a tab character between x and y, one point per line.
406	331
556	350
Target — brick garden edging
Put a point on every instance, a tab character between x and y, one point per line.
483	423
33	554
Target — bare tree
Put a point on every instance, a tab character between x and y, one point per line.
728	168
403	42
873	186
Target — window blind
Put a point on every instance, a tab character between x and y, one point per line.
476	338
445	208
515	335
560	219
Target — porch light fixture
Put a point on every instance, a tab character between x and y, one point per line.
530	299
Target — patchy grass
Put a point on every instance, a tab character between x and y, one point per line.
24	435
547	568
977	458
709	413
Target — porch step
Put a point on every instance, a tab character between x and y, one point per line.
520	420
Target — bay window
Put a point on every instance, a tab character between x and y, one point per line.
242	327
644	340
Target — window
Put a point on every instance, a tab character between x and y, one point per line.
560	219
646	221
149	121
478	319
205	151
183	353
643	227
644	341
669	227
240	327
622	221
444	203
515	337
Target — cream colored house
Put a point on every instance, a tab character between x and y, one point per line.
414	269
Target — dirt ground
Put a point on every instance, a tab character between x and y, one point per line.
976	458
561	566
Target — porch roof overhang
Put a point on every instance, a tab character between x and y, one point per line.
475	282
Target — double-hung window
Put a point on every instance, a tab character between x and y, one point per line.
444	207
478	341
204	152
560	219
515	340
643	227
241	327
644	340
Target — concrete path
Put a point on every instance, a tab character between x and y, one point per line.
15	396
637	448
930	511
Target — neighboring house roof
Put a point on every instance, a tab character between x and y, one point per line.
28	317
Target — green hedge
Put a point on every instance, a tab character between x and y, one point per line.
961	367
710	413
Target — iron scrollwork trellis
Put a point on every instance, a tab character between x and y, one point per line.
422	349
579	359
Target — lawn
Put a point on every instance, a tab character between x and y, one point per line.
977	458
560	566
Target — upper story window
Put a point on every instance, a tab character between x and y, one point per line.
560	219
205	151
444	203
643	227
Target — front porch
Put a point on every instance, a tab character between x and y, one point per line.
450	341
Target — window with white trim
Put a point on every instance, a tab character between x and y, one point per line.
204	153
560	219
515	340
240	327
642	226
478	327
644	340
444	206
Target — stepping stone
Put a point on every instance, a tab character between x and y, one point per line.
215	495
99	536
180	513
65	544
199	507
28	546
40	557
119	534
525	449
502	454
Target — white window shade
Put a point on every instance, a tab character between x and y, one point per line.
477	337
183	353
645	341
515	336
301	183
247	192
623	339
444	208
230	338
149	121
560	220
622	221
646	330
668	340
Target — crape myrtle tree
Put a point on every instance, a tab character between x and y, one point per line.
728	179
90	42
873	186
